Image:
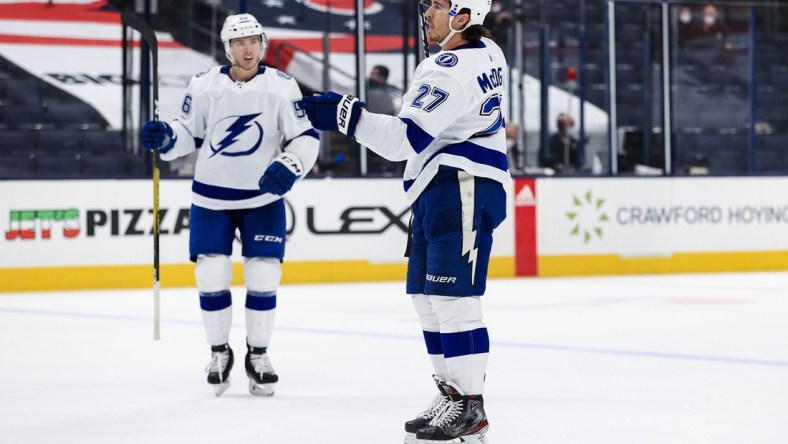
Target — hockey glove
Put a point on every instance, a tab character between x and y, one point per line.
281	174
157	135
333	112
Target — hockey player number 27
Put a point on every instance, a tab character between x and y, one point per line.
439	94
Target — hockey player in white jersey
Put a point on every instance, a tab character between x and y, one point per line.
242	119
450	130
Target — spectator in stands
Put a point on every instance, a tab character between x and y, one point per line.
712	29
685	25
498	22
564	153
514	151
382	98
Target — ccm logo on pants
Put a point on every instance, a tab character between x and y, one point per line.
267	238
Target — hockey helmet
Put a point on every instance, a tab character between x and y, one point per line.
478	8
242	25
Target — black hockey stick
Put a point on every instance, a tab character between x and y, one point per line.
423	6
129	18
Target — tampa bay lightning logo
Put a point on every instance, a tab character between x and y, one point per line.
447	60
236	136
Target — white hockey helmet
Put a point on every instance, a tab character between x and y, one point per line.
478	8
478	11
242	25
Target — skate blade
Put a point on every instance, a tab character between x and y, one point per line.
261	389
219	389
410	438
478	438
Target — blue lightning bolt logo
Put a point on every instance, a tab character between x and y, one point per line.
234	131
468	201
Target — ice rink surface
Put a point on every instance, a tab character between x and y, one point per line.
668	359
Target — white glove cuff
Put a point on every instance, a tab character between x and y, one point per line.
292	162
344	111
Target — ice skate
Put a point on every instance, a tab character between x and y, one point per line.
422	419
262	377
462	420
219	368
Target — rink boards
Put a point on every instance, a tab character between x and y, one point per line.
97	234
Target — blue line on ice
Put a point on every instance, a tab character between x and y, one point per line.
416	337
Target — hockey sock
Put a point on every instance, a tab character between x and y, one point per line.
464	339
431	330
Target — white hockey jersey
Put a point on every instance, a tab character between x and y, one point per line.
238	128
451	115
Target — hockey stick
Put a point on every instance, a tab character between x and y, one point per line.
423	6
129	18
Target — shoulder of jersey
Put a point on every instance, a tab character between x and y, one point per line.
210	72
280	74
205	77
281	78
459	60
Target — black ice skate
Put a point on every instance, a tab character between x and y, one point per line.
262	376
422	419
462	419
219	368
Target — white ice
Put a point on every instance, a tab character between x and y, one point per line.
612	360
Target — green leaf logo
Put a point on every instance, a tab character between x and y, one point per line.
587	217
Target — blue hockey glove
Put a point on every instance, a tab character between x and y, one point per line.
281	174
157	135
332	112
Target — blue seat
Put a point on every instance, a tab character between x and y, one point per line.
728	162
18	165
596	94
23	91
770	101
100	141
57	165
627	74
106	166
25	117
768	162
776	143
709	143
594	74
15	140
685	116
75	115
59	140
779	78
720	76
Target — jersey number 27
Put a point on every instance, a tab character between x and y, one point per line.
439	94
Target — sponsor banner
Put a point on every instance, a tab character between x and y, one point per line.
338	230
525	227
661	217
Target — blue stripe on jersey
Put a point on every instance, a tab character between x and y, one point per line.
261	300
215	301
222	193
465	343
433	341
471	46
308	133
418	138
198	142
471	151
477	154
